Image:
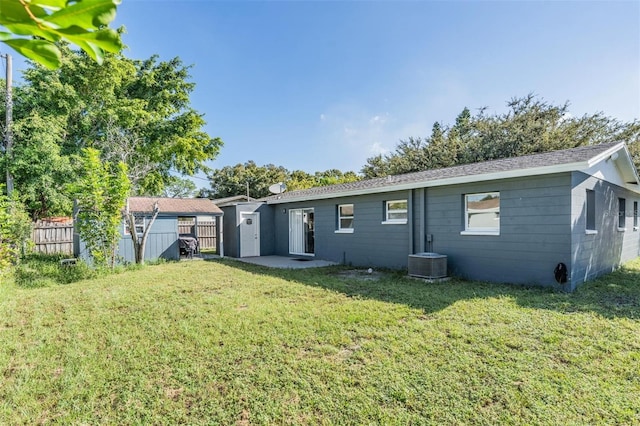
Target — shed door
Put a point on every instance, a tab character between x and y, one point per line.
249	234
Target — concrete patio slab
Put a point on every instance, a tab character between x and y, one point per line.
283	262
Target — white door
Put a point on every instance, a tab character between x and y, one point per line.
249	234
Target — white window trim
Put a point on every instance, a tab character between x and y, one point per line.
479	231
344	231
340	229
144	225
589	231
622	214
472	232
388	221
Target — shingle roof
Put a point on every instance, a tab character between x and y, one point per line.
173	205
545	160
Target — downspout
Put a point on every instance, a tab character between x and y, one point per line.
220	236
423	219
410	220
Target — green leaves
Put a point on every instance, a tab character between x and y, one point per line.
15	229
101	194
136	111
531	125
82	23
41	51
89	14
232	180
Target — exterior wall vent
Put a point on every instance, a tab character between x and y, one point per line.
428	265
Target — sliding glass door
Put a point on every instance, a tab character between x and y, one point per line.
301	231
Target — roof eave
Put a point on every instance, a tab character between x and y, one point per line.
535	171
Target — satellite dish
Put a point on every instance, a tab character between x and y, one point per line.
278	188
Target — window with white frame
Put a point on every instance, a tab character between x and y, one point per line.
590	207
345	218
395	211
622	213
482	213
140	222
635	215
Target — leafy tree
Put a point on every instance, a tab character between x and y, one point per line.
531	125
131	111
40	170
34	27
299	179
334	176
178	187
15	230
101	194
232	180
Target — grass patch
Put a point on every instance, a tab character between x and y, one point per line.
223	342
39	270
42	270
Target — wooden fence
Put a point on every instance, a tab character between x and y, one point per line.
206	232
53	237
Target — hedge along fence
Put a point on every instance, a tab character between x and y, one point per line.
53	236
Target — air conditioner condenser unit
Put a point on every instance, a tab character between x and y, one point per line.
428	265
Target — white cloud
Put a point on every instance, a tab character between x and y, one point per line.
377	148
351	132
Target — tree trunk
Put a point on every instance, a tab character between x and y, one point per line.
139	242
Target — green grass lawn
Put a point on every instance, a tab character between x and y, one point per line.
221	342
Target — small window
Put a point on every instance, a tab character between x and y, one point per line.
591	210
396	211
635	215
345	217
140	225
622	214
482	213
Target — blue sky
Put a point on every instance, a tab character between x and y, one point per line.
327	84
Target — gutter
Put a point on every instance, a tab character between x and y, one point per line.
544	170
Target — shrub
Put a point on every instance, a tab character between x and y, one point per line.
15	230
38	270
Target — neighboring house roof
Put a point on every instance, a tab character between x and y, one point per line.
229	201
173	205
574	159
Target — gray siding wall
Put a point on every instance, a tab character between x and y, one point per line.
230	231
535	230
267	236
162	241
597	254
542	223
371	244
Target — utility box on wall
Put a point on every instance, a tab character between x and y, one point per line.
428	265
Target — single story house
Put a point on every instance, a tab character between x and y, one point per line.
168	228
515	220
